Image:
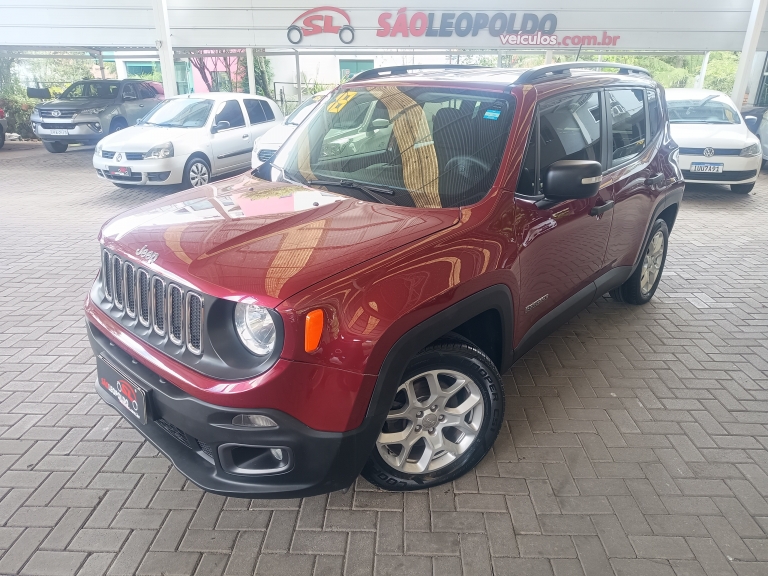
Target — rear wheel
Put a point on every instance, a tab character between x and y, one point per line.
55	147
445	417
742	188
641	286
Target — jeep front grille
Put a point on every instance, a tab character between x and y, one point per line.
106	274
165	308
175	313
142	291
129	275
117	280
194	322
158	305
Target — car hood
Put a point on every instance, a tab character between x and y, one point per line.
712	135
274	137
143	137
248	238
75	104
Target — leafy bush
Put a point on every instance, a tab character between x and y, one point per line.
18	108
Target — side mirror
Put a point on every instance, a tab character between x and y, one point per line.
42	93
379	123
222	125
751	122
572	179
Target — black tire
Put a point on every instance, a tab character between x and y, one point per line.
455	355
189	171
117	124
295	34
742	188
631	291
2	138
55	147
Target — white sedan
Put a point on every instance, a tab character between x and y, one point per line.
266	146
187	139
716	147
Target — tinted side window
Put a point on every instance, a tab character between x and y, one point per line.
267	110
232	113
654	113
569	129
628	131
129	92
255	111
145	91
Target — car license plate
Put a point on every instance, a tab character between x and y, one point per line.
705	167
132	397
59	133
119	171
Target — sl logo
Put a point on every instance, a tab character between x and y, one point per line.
320	21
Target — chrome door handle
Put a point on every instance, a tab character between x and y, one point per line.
597	210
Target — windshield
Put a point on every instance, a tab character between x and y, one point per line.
425	147
181	113
100	90
297	116
713	109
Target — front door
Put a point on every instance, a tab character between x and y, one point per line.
562	246
231	145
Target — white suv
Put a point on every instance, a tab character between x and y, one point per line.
187	139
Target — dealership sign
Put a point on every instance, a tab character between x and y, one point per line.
519	29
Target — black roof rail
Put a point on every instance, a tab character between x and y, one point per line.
400	70
552	71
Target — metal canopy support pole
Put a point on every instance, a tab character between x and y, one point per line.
548	57
249	64
298	75
754	27
164	47
498	59
703	72
101	65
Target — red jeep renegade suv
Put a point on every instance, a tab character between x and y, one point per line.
351	311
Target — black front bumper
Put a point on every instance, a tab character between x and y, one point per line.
194	435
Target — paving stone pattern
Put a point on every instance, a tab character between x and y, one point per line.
635	440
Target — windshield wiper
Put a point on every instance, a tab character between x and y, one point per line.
370	191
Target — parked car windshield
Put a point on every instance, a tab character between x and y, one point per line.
299	115
714	109
180	113
100	90
409	145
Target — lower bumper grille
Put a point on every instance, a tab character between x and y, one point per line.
730	176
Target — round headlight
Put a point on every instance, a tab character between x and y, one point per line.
255	328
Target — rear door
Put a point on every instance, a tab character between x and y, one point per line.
562	246
131	105
260	116
635	168
231	146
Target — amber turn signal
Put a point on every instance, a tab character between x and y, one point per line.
313	330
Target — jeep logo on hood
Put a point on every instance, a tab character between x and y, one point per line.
147	255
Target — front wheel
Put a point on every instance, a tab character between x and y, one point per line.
641	286
197	172
55	147
742	188
445	417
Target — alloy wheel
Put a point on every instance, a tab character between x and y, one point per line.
435	418
654	258
198	174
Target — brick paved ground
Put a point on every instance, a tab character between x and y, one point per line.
635	441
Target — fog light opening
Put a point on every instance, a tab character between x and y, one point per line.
254	421
277	453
